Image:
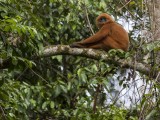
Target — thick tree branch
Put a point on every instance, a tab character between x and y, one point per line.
89	53
95	54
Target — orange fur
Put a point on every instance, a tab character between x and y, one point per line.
111	35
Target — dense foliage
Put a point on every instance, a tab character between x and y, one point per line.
64	87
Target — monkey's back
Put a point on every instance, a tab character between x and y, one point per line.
119	34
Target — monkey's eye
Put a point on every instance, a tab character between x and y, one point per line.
103	19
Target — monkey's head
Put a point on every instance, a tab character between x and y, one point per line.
102	19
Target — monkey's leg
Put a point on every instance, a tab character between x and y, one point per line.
96	46
112	44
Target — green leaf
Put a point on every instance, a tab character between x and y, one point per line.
44	105
33	102
14	61
64	88
52	104
94	67
69	86
7	28
82	75
12	115
57	90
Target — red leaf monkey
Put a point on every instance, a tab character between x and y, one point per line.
111	35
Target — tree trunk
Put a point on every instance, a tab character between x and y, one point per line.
154	13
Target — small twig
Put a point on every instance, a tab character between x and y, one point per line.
116	97
26	68
88	21
39	76
95	98
124	5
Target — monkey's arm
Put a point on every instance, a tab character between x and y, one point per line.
101	34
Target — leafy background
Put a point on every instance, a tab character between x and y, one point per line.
65	87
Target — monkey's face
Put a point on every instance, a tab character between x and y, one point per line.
103	19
